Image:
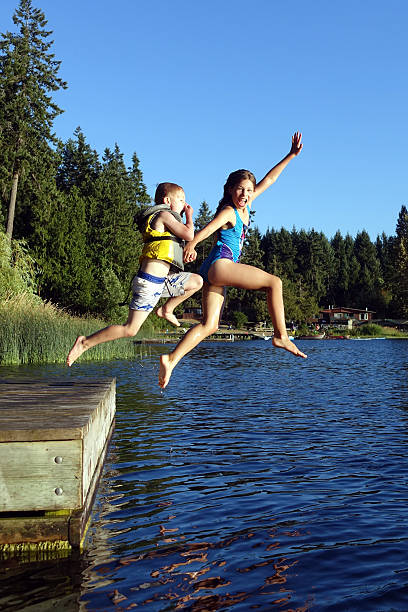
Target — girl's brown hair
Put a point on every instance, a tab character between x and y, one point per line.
234	178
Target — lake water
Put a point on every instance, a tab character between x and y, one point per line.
255	481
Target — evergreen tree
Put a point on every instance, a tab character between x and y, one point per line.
203	217
385	248
300	305
79	166
366	290
252	253
93	246
301	244
400	282
279	252
67	274
138	195
353	273
287	253
314	261
352	298
116	242
268	246
319	264
28	76
253	303
339	289
65	252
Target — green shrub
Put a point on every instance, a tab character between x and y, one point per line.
239	319
17	268
303	330
368	329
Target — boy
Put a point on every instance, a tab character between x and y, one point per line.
163	237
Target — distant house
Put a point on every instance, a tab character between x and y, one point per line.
345	316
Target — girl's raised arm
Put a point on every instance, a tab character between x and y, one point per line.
273	174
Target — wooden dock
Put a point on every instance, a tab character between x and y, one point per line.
173	337
53	440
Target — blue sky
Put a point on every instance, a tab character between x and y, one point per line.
199	89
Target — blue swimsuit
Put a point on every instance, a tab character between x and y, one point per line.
229	245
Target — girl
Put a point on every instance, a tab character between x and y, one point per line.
221	268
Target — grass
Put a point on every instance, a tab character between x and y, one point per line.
367	330
372	330
34	332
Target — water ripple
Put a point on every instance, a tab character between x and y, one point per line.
254	481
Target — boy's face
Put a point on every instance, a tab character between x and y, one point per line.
177	200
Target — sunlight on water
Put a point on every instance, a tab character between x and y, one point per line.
255	481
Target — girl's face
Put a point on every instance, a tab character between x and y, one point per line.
242	193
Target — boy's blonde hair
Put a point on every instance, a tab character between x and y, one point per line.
165	189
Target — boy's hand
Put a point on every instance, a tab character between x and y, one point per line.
296	144
190	254
188	210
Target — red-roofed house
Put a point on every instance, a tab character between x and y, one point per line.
345	316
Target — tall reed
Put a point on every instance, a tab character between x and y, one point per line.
32	331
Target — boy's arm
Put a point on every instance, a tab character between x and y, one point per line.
273	174
185	231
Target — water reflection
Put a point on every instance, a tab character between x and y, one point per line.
201	575
48	583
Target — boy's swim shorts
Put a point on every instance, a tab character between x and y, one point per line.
148	289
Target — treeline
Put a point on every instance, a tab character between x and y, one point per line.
69	212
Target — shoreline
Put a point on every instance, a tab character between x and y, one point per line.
173	340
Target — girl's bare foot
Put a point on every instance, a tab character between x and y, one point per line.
76	350
288	345
169	316
166	368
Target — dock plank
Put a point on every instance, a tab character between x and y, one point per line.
46	410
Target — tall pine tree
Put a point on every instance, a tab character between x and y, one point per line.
28	76
116	241
203	217
400	282
255	303
367	287
79	165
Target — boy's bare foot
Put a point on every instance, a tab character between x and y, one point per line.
169	316
76	350
166	368
288	345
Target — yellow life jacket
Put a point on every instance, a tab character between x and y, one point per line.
162	245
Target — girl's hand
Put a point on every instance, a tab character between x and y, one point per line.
190	254
296	143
